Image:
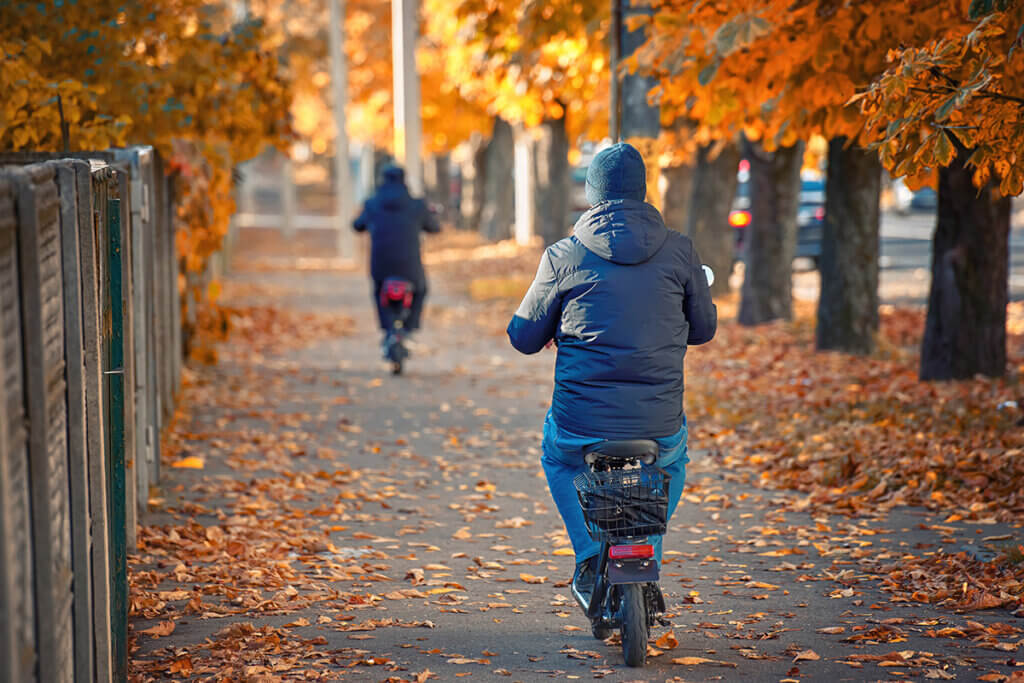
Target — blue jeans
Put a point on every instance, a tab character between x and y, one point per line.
563	460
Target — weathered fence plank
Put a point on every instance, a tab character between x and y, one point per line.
39	259
17	609
147	412
92	186
74	368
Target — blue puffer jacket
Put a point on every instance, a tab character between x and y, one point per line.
395	220
622	297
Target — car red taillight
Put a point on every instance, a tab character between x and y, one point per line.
820	213
631	552
739	219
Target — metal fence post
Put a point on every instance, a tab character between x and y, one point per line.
134	438
118	407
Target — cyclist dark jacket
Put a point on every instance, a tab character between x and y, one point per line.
395	220
622	297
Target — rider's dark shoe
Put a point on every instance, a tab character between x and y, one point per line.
583	582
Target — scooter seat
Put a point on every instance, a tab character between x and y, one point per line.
644	450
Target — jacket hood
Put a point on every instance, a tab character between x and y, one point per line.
623	231
393	195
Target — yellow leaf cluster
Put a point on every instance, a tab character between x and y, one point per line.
527	62
919	80
175	74
960	92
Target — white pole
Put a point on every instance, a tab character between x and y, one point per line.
522	180
339	87
288	198
406	93
365	171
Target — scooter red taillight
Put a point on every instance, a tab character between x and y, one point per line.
631	552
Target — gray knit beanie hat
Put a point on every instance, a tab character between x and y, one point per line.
617	172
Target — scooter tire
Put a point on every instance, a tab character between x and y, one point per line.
396	367
634	624
601	632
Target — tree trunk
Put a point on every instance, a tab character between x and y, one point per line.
767	292
437	182
499	193
471	189
676	187
714	188
848	304
551	181
965	332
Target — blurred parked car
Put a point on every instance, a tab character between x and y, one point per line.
906	200
925	199
810	219
578	203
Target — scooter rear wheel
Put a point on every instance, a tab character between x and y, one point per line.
396	367
634	624
600	631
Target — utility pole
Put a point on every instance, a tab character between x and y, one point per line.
406	94
633	116
339	87
614	117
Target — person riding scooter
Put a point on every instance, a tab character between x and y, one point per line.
622	297
394	220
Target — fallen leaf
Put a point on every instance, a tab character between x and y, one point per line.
181	666
667	641
694	661
192	462
164	628
806	655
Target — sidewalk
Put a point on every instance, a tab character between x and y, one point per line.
350	525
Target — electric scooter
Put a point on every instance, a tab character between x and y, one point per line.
625	500
396	299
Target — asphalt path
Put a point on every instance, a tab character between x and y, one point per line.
442	497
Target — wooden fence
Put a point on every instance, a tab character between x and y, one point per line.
90	363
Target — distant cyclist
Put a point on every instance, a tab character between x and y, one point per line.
395	220
622	297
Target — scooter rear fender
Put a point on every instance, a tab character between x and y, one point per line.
633	571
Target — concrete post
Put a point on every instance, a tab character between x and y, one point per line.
339	86
408	124
523	181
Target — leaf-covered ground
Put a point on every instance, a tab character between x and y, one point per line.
322	520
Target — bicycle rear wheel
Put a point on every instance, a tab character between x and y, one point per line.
634	624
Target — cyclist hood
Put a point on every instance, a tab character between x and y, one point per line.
393	193
623	231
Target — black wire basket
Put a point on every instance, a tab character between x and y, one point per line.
624	504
